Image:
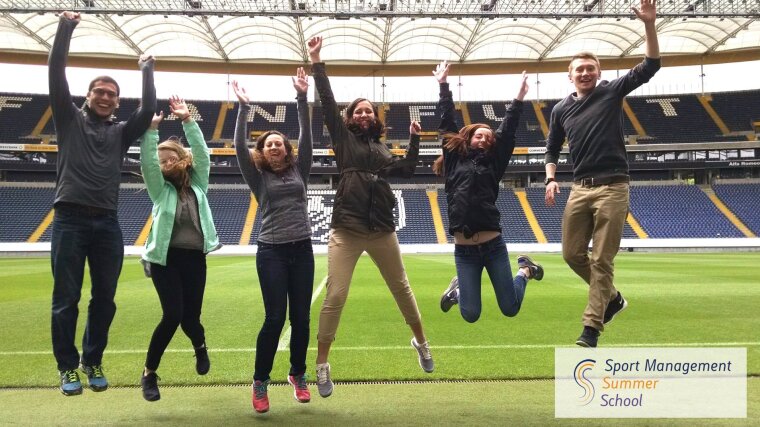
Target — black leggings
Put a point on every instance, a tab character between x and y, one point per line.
180	285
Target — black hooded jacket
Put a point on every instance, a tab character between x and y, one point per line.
472	179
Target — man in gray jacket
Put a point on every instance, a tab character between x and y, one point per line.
91	147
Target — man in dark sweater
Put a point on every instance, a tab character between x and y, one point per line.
91	147
592	120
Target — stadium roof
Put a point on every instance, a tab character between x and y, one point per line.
397	36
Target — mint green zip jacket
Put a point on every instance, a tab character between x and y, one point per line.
164	195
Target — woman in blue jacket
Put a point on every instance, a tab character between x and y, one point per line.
473	162
182	234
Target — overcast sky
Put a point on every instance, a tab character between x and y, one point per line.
669	80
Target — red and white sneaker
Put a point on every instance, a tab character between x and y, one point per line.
259	398
300	389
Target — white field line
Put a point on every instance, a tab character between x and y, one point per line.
285	338
433	347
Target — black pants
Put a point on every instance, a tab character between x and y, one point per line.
286	274
180	285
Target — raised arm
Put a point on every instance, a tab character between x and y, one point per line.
149	165
140	119
505	134
60	97
201	156
251	175
647	13
330	110
445	109
301	85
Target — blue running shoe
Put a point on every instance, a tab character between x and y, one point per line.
95	377
70	384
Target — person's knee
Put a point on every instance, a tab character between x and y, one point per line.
510	311
471	316
274	320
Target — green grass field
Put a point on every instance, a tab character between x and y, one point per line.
675	300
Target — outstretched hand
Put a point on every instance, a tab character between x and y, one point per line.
523	87
242	96
145	59
300	81
315	46
414	128
647	11
72	16
179	108
441	71
157	118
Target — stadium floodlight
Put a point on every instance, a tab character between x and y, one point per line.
193	4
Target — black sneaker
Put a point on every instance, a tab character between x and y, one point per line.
536	271
588	338
70	383
450	296
615	306
202	363
96	379
150	387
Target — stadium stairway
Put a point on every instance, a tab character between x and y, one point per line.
727	212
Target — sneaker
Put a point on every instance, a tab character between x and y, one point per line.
615	306
149	385
425	358
324	383
259	398
70	384
96	379
450	295
300	389
588	338
202	364
536	271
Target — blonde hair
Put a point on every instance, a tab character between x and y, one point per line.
583	55
179	173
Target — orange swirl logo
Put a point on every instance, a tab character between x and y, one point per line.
581	370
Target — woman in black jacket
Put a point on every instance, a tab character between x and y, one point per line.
473	162
362	218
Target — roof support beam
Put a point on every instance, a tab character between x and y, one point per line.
732	34
121	34
216	44
26	30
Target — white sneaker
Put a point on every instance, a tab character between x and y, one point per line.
324	383
425	358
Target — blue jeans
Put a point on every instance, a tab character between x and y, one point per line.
80	235
286	274
470	260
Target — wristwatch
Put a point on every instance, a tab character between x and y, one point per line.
548	180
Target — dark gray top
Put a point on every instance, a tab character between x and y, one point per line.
281	197
187	233
90	150
594	125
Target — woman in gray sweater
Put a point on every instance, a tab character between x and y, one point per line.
284	260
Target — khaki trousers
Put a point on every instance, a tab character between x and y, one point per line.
596	213
343	251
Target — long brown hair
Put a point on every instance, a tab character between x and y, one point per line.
261	162
459	142
179	174
376	130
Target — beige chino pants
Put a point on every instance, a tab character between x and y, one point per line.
596	213
343	251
